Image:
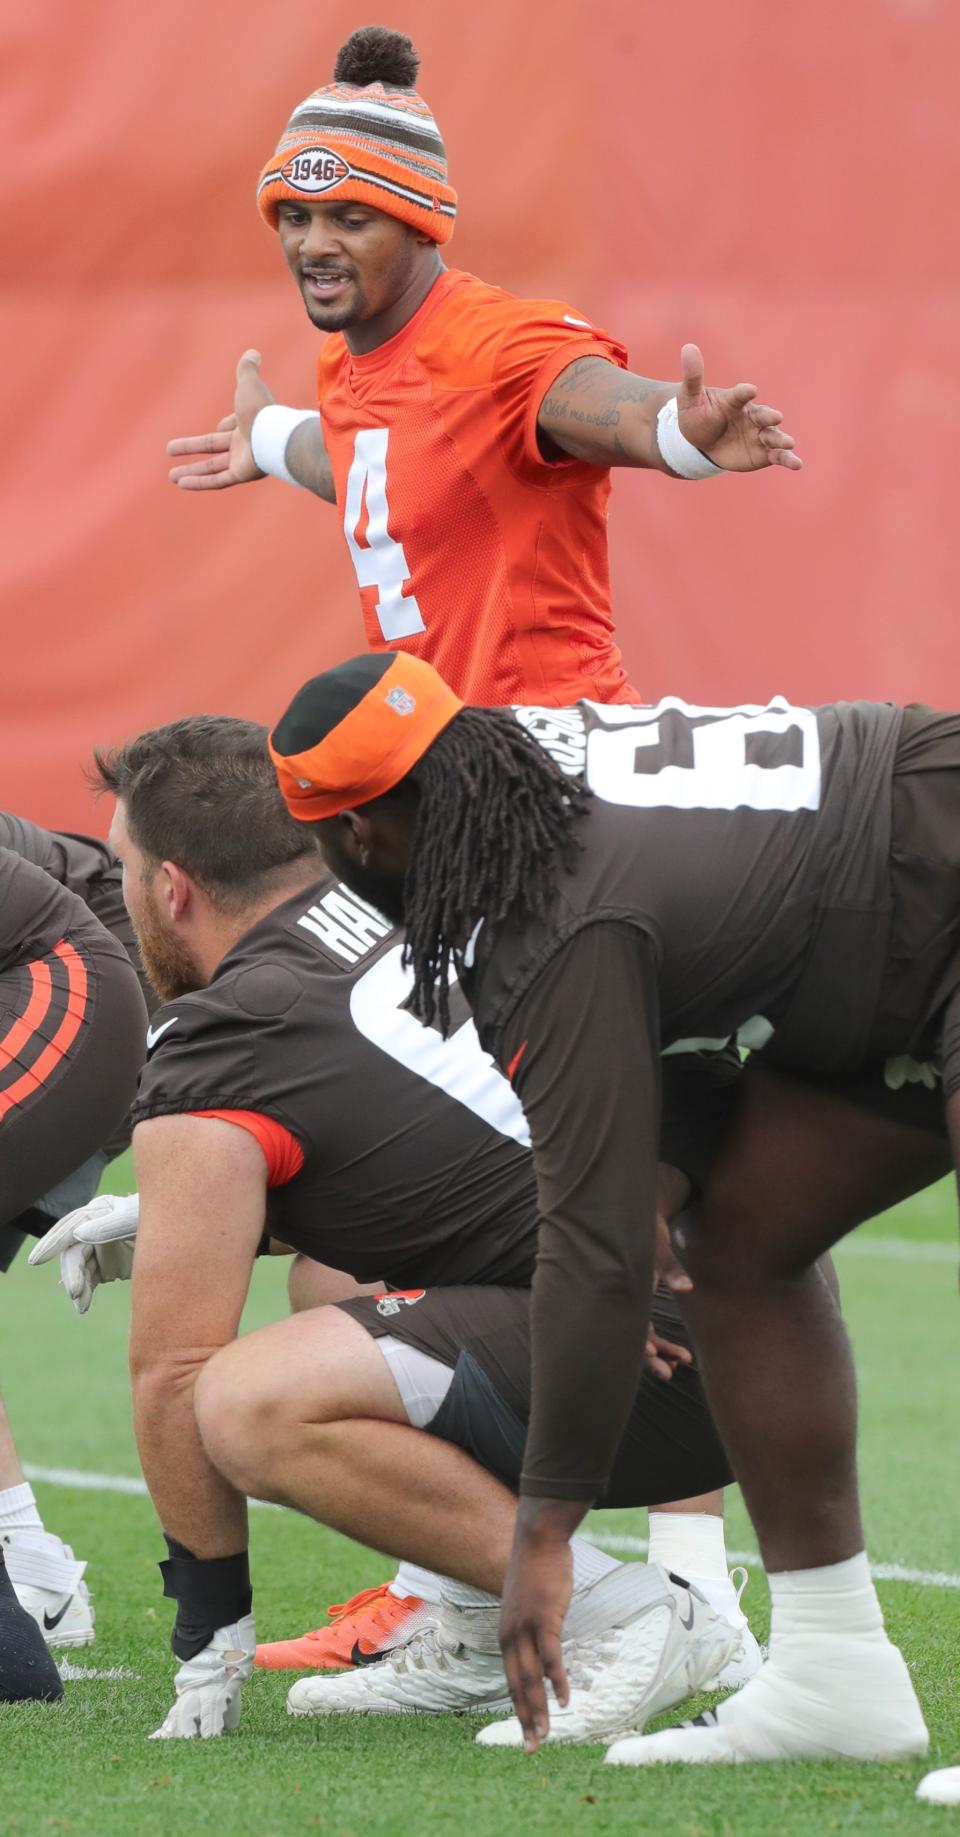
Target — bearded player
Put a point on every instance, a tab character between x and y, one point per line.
465	436
287	998
457	425
681	872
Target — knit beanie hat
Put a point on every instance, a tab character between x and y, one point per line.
354	732
367	136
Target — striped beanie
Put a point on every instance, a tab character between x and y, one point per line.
367	136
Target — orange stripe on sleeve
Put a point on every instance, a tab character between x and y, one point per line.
281	1150
57	1048
26	1024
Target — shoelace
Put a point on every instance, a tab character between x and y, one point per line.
745	1575
363	1603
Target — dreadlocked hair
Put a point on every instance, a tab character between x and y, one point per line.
496	819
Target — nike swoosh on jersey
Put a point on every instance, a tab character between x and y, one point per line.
156	1033
53	1620
568	319
359	1657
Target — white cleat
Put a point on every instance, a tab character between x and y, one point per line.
619	1681
48	1582
832	1698
431	1673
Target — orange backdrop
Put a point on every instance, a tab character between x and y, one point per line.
779	183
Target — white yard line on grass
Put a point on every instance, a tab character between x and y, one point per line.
606	1540
104	1482
884	1572
897	1249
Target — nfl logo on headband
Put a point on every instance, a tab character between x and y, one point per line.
401	701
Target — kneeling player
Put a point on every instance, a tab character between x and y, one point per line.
69	1057
48	1579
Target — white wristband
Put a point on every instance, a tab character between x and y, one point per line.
269	435
686	460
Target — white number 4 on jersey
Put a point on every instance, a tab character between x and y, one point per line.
380	562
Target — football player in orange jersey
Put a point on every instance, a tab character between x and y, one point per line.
465	436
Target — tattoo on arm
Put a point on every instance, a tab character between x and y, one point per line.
594	393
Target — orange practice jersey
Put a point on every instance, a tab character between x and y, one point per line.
470	548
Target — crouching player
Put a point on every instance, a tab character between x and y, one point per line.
70	1051
47	1578
288	1084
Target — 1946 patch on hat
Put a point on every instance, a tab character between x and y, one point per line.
315	169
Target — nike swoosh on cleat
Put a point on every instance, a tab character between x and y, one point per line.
359	1657
684	1622
49	1623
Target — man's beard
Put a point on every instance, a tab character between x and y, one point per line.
171	967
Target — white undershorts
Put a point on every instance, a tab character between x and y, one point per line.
422	1381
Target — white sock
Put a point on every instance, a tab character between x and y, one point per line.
412	1580
18	1509
690	1543
837	1598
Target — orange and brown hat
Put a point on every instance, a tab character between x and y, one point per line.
354	732
367	136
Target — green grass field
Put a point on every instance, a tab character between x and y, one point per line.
85	1766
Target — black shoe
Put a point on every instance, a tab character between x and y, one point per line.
28	1671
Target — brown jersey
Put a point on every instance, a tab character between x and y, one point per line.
36	912
736	875
54	955
393	1153
90	869
87	867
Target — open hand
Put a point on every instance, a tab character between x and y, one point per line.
729	425
225	457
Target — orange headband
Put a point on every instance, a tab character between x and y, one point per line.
368	750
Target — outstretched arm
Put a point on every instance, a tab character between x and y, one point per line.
226	457
596	412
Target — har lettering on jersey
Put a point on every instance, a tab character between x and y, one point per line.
345	925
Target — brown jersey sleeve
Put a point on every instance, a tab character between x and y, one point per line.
583	1051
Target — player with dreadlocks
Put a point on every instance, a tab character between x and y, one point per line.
452	417
787	872
494	821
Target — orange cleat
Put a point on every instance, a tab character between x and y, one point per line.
363	1630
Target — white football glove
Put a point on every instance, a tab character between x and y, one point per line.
208	1686
94	1244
